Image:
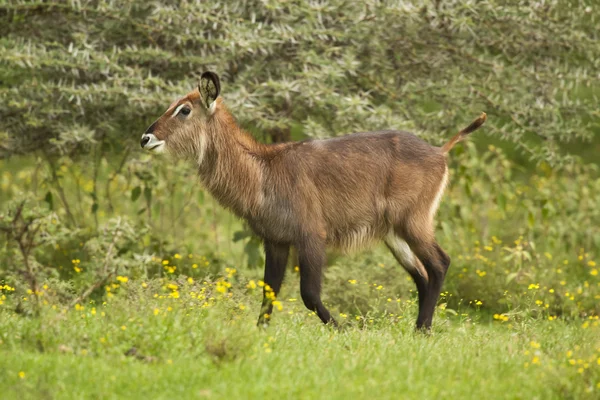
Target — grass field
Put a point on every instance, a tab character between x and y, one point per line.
199	340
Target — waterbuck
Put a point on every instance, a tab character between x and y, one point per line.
344	192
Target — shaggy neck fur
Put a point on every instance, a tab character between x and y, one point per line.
229	164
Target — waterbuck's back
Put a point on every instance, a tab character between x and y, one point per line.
355	188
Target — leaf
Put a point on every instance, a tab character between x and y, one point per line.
148	194
501	200
135	193
252	250
49	199
510	277
531	219
241	235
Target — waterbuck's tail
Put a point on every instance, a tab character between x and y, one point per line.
462	134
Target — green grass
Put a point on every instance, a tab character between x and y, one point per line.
189	351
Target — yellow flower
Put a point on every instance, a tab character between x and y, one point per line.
534	344
177	256
533	286
194	266
77	269
352	281
251	285
501	317
221	289
123	327
230	272
478	303
144	285
190	280
277	304
122	279
591	263
594	272
156	311
21	374
165	262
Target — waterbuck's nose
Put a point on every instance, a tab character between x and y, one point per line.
145	140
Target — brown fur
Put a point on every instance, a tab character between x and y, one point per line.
344	192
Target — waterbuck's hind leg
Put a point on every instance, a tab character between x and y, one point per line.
311	256
409	261
276	257
436	263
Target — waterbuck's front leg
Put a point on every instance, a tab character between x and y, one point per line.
276	256
312	257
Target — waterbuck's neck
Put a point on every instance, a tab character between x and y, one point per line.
229	164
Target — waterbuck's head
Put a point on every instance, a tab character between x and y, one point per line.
182	130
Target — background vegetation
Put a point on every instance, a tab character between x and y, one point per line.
118	262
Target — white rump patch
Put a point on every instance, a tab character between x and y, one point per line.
438	196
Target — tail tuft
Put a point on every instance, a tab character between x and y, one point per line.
461	135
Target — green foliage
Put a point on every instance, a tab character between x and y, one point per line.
79	75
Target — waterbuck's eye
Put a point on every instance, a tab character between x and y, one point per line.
183	110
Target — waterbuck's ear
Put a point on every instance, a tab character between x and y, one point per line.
209	88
